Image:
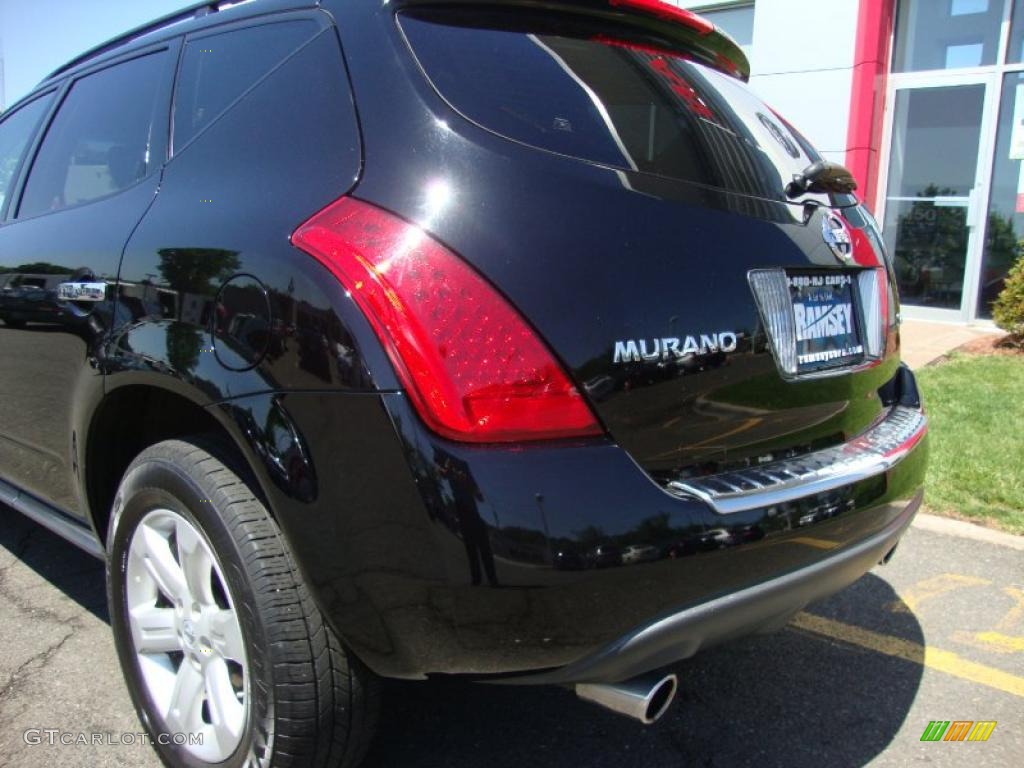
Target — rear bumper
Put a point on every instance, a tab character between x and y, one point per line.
768	605
553	555
552	562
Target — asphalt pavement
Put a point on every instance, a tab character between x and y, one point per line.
938	634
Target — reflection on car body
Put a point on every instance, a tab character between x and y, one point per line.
391	340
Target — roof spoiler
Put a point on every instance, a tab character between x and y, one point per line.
676	26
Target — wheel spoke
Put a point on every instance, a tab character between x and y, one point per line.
226	635
226	711
153	630
161	565
191	654
196	564
185	712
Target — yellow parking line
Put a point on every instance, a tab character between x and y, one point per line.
990	642
929	589
897	647
1001	642
1014	616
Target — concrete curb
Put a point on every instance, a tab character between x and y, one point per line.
945	525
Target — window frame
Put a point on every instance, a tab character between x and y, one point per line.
30	148
1002	63
160	127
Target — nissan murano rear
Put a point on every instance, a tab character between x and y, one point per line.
518	341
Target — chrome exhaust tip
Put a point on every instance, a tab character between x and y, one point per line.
644	698
888	555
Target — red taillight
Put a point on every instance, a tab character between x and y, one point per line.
475	371
668	12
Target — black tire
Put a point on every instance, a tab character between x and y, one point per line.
310	702
13	323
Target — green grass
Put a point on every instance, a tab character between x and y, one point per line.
976	469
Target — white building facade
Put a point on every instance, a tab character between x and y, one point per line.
924	101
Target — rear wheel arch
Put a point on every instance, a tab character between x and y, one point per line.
130	419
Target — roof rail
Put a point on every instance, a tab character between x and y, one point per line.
194	11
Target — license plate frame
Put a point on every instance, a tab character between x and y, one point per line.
827	317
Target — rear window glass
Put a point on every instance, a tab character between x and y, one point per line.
622	104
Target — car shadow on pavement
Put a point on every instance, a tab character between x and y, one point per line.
792	698
77	574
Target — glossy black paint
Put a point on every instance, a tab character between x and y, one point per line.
226	209
177	316
428	556
769	605
593	255
390	539
54	379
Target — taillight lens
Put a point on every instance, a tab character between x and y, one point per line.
874	296
771	292
869	251
475	371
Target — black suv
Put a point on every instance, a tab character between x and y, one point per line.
512	340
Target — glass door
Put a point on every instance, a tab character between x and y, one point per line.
939	152
952	187
1004	241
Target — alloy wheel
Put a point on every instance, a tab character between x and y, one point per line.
186	635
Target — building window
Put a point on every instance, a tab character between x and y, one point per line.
947	34
1015	50
736	20
953	209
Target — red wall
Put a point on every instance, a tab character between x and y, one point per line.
867	100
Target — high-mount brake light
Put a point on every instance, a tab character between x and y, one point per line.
473	368
667	12
680	32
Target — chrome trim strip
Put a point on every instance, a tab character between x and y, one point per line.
74	531
876	451
8	493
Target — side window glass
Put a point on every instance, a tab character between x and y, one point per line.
106	136
217	69
16	131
